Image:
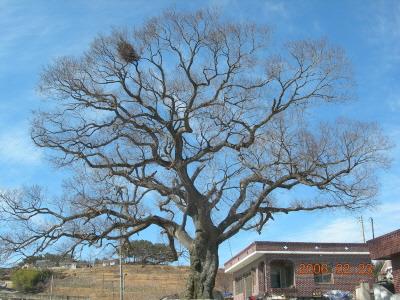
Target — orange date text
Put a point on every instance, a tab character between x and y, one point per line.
338	268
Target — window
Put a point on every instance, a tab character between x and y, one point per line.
238	285
282	274
244	284
249	284
325	277
275	279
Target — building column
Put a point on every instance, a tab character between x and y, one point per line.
255	281
261	277
234	285
256	284
267	277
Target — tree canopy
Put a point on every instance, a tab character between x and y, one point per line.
146	252
193	123
54	258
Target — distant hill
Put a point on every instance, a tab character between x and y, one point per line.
149	282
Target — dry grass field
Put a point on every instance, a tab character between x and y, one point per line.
141	282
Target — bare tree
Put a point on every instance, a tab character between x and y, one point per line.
193	124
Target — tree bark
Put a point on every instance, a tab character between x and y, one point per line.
203	269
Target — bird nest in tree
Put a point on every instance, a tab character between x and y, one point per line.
127	52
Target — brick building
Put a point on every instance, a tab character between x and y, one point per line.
388	247
298	270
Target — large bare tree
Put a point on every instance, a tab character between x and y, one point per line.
193	124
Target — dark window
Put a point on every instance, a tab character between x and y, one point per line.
325	277
282	273
275	279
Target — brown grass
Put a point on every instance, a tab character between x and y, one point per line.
141	282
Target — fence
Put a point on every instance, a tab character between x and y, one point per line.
106	288
21	296
102	283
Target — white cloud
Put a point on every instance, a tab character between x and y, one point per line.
387	217
348	228
345	229
17	148
277	7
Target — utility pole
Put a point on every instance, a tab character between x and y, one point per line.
362	228
372	227
121	275
51	286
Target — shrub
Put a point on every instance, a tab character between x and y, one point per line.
30	280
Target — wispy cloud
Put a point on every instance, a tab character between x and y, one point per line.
383	31
14	26
278	8
336	230
17	148
394	102
348	228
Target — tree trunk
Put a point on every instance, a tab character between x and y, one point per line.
203	269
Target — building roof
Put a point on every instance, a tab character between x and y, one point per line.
385	246
260	248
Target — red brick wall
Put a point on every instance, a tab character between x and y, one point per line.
396	272
388	247
304	284
295	246
385	246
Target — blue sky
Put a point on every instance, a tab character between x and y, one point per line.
33	33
